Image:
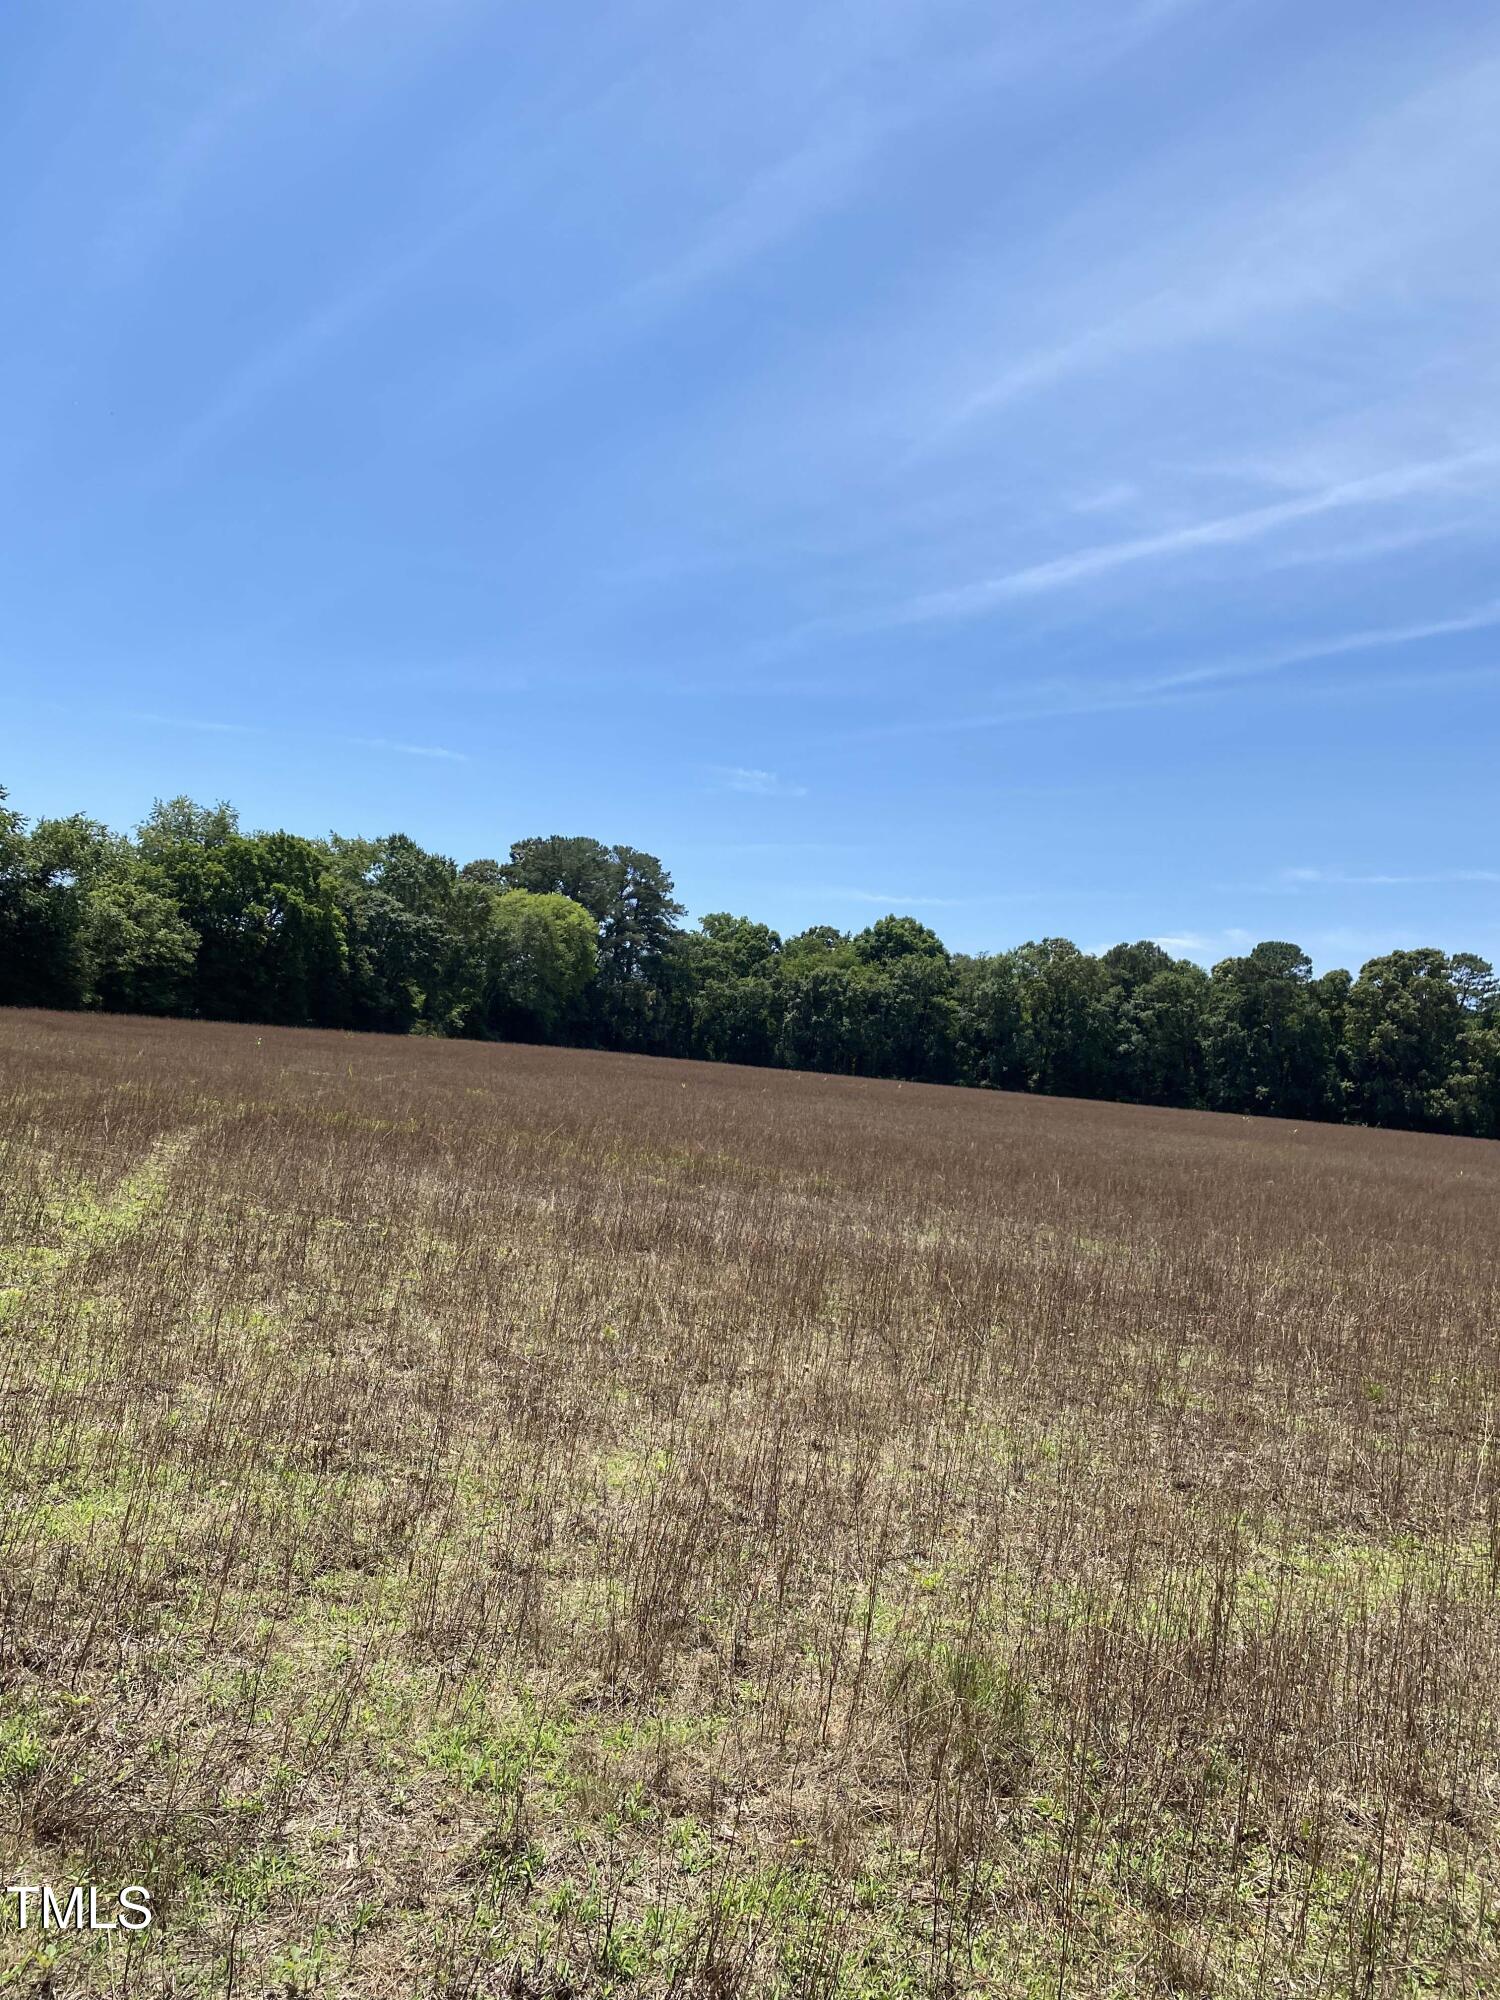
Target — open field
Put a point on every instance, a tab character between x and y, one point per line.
483	1520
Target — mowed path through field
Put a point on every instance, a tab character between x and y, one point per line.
491	1520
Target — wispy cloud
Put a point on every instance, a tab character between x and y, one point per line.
270	67
1301	878
159	196
777	202
849	123
1377	638
779	198
1193	943
1416	180
888	901
852	128
407	749
1221	531
758	784
194	722
384	743
1108	499
1056	699
304	343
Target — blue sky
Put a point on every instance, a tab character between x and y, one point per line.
1036	466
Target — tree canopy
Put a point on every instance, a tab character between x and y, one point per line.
575	940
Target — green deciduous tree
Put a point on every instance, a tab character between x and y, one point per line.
41	963
271	938
1156	1028
542	956
991	1025
1268	1045
911	1017
728	990
737	947
570	939
1065	1020
893	938
135	952
1403	1022
825	1018
629	895
138	951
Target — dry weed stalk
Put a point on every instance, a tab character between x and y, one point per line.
489	1520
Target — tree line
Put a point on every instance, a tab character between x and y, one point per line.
570	940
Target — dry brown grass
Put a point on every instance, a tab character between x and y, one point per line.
501	1521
